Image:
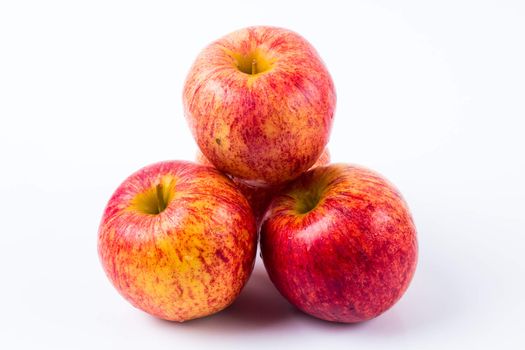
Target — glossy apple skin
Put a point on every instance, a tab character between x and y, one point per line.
352	256
260	197
192	259
265	128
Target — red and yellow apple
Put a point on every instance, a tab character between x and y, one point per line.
260	104
260	196
339	243
178	240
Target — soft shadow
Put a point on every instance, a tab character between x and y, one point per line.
258	306
436	297
433	298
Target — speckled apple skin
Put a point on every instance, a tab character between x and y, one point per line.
192	259
265	128
351	257
260	197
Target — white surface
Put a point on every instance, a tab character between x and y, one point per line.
432	96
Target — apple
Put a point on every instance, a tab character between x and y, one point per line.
260	104
260	196
178	240
339	243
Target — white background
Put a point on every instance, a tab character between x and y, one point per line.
431	94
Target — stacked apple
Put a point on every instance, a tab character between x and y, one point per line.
178	239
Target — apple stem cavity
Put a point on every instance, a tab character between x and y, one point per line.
161	205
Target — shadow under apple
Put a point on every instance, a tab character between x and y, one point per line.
432	299
258	306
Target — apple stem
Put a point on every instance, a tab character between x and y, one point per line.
160	199
254	66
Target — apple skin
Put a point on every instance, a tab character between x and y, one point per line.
188	261
260	197
264	128
350	257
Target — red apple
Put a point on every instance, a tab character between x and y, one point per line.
178	240
260	196
260	104
339	243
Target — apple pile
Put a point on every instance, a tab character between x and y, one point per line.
178	239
